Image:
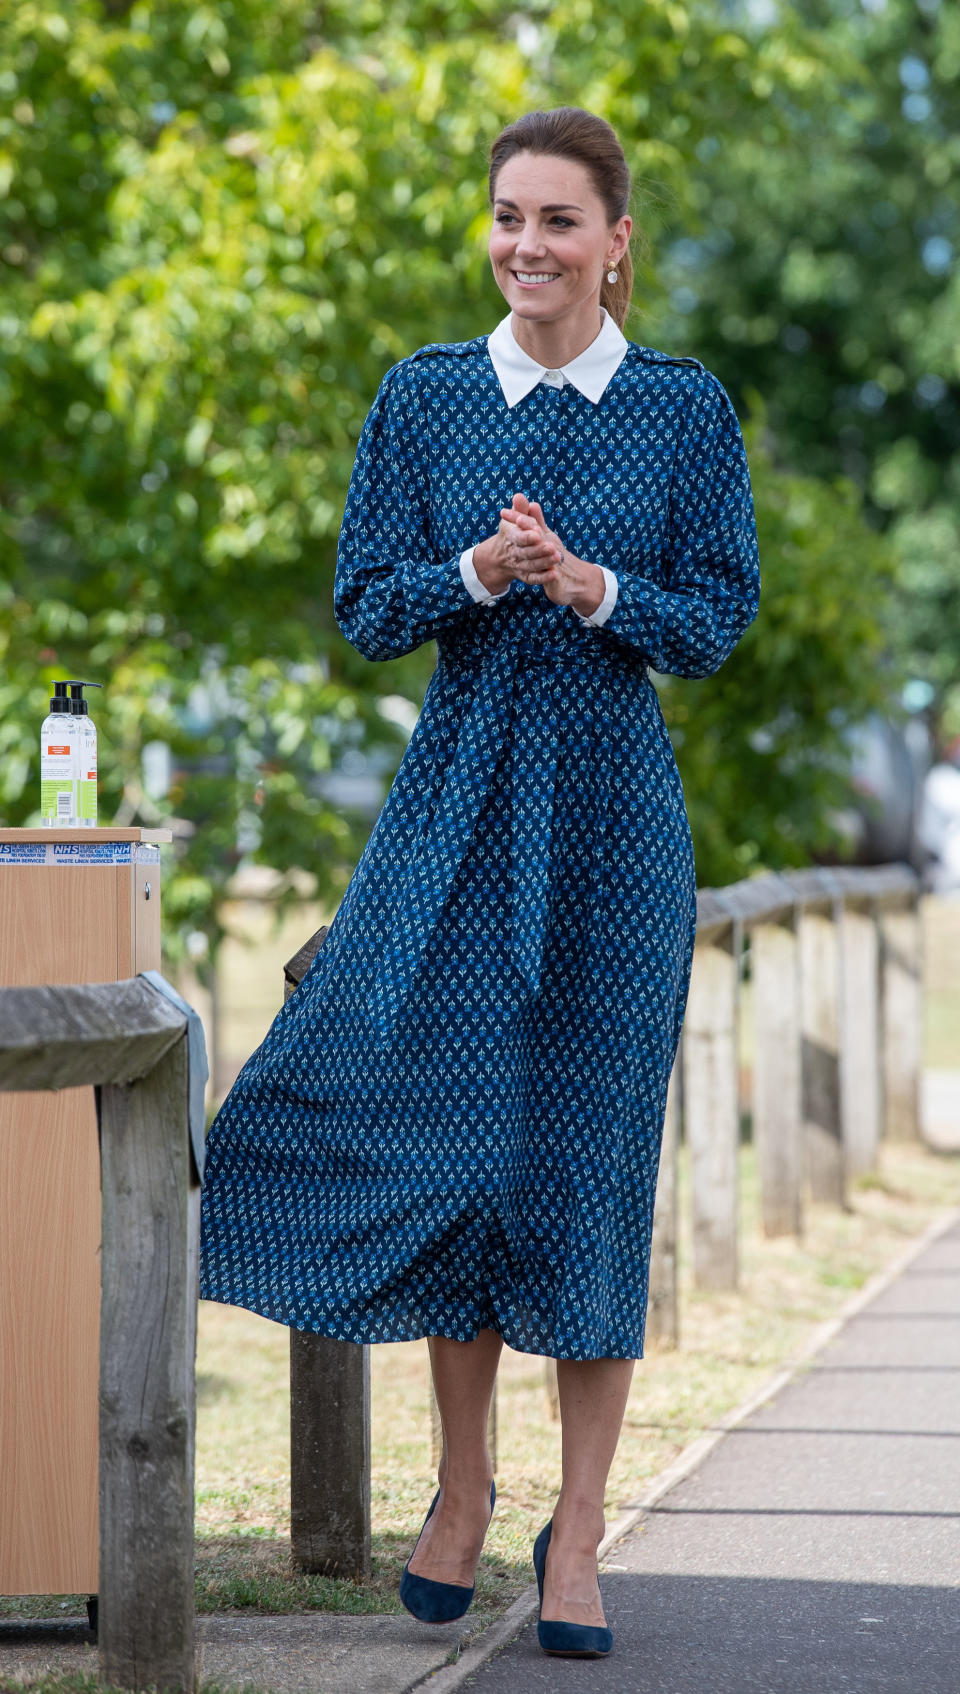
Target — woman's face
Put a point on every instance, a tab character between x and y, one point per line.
549	224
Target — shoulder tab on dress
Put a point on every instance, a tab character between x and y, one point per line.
655	357
455	349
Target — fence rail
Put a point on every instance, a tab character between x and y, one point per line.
835	962
142	1049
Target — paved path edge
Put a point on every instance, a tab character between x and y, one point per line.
489	1641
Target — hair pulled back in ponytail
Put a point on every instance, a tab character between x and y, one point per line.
569	132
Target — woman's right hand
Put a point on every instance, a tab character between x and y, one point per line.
498	560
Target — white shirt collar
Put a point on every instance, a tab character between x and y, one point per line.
590	371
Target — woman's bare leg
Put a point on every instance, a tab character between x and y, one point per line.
463	1376
593	1399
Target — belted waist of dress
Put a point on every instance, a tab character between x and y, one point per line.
589	651
494	716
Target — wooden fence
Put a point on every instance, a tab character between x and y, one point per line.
834	957
835	964
142	1049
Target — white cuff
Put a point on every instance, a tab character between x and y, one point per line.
472	581
607	603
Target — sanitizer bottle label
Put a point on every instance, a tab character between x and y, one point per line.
56	787
87	788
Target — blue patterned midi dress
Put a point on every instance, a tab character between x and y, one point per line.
455	1122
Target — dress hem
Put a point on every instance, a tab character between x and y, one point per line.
414	1332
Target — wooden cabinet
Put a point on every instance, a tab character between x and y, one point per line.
77	905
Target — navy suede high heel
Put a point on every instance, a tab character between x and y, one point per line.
574	1640
436	1602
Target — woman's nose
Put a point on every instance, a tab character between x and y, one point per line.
529	244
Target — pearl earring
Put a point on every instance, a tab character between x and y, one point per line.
612	276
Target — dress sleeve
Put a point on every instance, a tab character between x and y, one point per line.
391	592
711	567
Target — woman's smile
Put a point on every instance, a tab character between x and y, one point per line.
535	279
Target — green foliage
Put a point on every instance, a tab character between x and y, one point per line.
824	275
219	224
760	745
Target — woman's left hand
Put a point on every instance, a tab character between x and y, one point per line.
542	558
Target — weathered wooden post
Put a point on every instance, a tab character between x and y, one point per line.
821	995
148	1344
663	1316
711	1106
859	1022
777	1104
329	1455
901	967
143	1048
329	1425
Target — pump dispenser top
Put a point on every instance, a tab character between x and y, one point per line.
78	705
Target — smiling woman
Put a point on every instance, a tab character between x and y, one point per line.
551	243
453	1127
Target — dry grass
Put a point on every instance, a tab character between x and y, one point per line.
941	973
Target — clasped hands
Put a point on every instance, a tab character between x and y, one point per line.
524	547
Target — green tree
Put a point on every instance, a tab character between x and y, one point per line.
824	274
761	745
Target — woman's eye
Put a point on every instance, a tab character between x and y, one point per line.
508	217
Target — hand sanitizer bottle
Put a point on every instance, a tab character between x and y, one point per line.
85	755
58	791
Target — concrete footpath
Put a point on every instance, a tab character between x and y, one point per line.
816	1550
813	1547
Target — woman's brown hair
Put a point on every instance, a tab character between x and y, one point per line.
568	132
